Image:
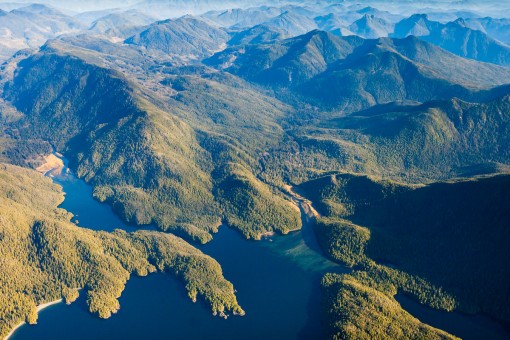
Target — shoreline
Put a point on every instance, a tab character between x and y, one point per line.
39	309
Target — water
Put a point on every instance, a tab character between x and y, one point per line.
277	283
461	325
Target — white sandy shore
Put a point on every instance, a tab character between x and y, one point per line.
39	308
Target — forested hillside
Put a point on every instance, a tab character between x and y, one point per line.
45	257
442	243
151	160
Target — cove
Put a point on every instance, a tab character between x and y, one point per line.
277	282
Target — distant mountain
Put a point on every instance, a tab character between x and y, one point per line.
176	8
292	23
259	34
243	18
330	22
457	38
342	32
498	29
187	37
418	25
371	27
351	73
31	26
121	24
385	15
292	61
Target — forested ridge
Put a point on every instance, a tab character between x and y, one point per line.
401	145
45	257
443	243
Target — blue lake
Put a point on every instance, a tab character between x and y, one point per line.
277	283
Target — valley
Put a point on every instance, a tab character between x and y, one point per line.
300	170
288	298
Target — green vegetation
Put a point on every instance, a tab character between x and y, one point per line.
252	208
342	240
406	142
367	313
421	233
157	162
44	257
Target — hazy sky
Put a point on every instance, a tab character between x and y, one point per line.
179	7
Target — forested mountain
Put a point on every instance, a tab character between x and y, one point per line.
385	139
369	220
45	257
155	162
320	66
187	37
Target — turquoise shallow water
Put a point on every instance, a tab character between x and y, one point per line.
277	283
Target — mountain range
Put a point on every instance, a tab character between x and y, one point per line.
383	136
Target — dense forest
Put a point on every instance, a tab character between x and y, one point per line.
401	144
442	243
45	257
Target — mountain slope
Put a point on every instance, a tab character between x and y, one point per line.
498	29
121	24
457	38
45	257
371	27
408	142
31	26
292	23
424	232
152	159
185	37
243	18
349	73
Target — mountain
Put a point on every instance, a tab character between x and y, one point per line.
259	34
31	26
322	67
121	25
385	15
439	139
371	27
186	37
188	153
175	8
290	61
498	29
292	23
243	18
418	25
457	38
330	22
412	240
342	32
